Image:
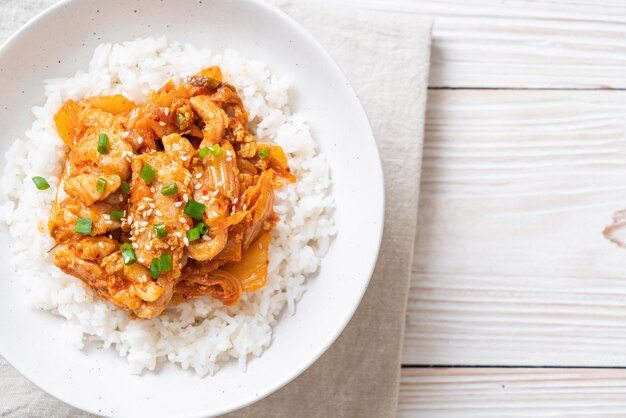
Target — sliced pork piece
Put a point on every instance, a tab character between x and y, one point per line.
160	188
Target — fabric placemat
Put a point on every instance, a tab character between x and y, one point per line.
386	58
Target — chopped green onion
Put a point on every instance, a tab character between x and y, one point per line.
103	144
193	234
264	153
202	228
147	173
155	268
213	149
204	152
83	226
41	183
101	185
124	187
128	254
181	119
169	189
166	262
117	214
160	230
194	209
216	150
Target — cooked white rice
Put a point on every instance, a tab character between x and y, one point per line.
201	334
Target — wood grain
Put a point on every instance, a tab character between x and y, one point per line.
501	393
523	43
511	267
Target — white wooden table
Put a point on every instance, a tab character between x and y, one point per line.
518	303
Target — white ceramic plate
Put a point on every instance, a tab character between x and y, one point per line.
60	41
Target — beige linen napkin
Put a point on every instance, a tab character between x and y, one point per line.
386	58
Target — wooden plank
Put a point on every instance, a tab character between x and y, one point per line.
501	393
511	267
523	43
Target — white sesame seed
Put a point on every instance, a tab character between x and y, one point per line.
184	157
152	189
135	245
130	219
148	213
197	186
235	200
141	260
125	134
199	175
185	197
140	140
106	216
152	205
166	111
143	223
229	159
121	198
148	247
178	234
159	213
182	220
186	241
220	183
178	204
101	245
162	123
109	222
245	206
141	207
132	238
215	214
206	238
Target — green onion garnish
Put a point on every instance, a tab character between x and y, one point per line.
194	209
41	183
103	144
202	228
117	214
147	173
124	187
180	119
169	189
83	226
204	152
193	234
264	153
166	262
216	150
101	185
128	254
160	230
155	268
